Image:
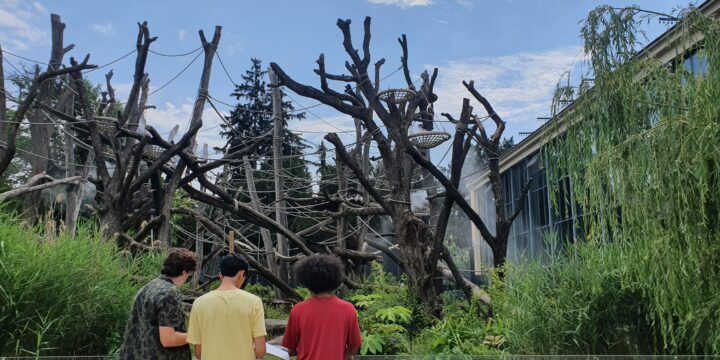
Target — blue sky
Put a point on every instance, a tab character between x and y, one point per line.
515	50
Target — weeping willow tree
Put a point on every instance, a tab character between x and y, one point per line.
642	149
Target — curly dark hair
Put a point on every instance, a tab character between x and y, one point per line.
320	273
177	261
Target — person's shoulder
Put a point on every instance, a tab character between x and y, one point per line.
202	299
209	300
300	306
248	295
345	305
159	287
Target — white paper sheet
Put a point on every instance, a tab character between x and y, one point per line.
277	351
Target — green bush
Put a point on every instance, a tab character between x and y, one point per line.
67	296
461	331
610	299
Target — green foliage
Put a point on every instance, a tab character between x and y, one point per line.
461	331
578	305
383	328
68	296
252	119
385	314
394	315
304	292
264	292
643	155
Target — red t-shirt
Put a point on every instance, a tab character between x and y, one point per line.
322	328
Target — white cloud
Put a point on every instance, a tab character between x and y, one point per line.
519	86
166	116
181	34
103	29
313	129
17	25
403	3
40	8
465	3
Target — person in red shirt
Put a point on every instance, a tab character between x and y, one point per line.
322	327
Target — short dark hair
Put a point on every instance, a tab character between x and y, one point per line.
320	273
177	261
232	264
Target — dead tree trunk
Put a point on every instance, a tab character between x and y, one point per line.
503	222
420	242
418	245
280	216
3	100
196	120
10	146
40	129
255	201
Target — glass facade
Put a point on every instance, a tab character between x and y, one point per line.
547	223
543	226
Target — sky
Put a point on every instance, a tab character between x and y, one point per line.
515	50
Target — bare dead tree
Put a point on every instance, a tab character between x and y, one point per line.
420	240
420	248
498	242
3	99
10	146
40	130
36	183
137	172
196	120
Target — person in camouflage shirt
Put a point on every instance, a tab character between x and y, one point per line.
156	326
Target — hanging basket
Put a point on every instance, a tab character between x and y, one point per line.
106	125
428	139
152	151
396	96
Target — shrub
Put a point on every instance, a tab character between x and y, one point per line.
461	331
608	299
68	296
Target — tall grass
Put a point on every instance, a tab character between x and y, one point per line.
64	296
642	151
606	300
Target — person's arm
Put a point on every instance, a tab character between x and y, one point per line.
171	317
354	339
258	329
169	337
194	334
290	339
259	347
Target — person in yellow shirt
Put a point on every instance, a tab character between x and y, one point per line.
228	323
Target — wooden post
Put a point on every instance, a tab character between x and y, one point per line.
342	192
278	168
199	229
231	242
264	233
3	100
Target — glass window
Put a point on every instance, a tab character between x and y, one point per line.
697	63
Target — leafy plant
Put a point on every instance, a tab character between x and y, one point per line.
69	296
642	152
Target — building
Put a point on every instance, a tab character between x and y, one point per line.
543	225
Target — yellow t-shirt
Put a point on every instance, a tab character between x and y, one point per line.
225	324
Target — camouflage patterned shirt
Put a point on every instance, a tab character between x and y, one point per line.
157	304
